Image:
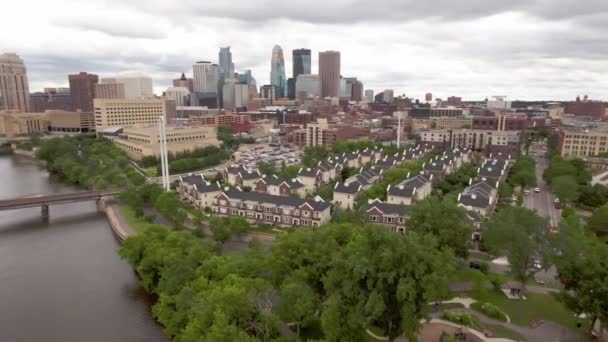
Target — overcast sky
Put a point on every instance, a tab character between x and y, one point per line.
525	49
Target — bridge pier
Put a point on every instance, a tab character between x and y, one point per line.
44	211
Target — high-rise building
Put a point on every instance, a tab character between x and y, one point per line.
277	70
128	112
225	59
199	76
369	95
137	85
357	91
301	62
291	88
110	91
178	94
82	88
236	95
214	79
14	87
184	82
269	91
388	95
307	86
329	73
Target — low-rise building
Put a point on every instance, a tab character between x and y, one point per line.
345	194
70	122
493	170
488	141
196	190
410	190
477	201
19	124
573	142
272	185
438	168
143	140
262	208
393	216
311	178
129	112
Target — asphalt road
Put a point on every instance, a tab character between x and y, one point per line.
542	202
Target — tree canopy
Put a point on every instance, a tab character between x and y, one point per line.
520	235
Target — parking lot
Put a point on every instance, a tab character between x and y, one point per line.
249	156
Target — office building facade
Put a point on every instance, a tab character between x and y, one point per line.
129	112
200	72
110	91
277	70
369	95
180	95
185	82
14	85
225	60
329	73
82	88
307	86
136	85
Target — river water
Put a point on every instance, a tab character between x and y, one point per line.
62	280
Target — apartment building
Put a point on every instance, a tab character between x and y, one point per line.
489	141
129	112
573	142
196	190
239	176
262	208
393	216
410	190
272	185
345	194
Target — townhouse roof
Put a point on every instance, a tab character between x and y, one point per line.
308	172
249	175
388	209
207	187
262	198
476	200
351	188
490	170
192	179
416	181
294	183
401	190
484	186
437	165
235	169
271	180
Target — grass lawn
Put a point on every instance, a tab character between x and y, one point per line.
500	331
473	255
138	224
151	171
536	307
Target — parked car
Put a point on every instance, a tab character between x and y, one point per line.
557	204
536	189
527	192
475	265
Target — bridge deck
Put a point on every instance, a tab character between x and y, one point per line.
36	201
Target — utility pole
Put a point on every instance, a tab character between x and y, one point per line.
164	160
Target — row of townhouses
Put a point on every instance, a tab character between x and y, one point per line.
394	212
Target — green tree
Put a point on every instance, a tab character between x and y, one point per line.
390	288
520	235
443	219
583	270
599	220
566	188
298	303
267	168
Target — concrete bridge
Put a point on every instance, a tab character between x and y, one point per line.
43	201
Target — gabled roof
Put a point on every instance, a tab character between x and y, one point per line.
192	179
271	180
235	169
388	209
293	183
401	191
347	187
308	172
262	198
490	170
484	186
437	165
476	200
416	181
249	175
207	187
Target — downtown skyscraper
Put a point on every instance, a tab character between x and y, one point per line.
14	86
329	73
301	66
82	88
277	70
225	61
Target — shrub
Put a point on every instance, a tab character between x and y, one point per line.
484	267
149	218
460	318
490	310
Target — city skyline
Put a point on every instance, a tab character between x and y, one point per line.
526	50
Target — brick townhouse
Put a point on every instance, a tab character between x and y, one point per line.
262	208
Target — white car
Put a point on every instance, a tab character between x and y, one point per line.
536	189
526	192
